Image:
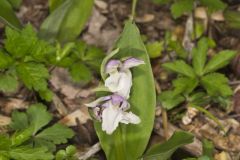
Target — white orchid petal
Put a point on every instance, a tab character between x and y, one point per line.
111	116
112	82
98	101
125	84
129	117
120	83
132	62
112	66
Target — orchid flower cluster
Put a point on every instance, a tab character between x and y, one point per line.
112	110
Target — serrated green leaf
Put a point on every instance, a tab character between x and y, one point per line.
67	21
61	155
20	137
178	48
184	85
80	72
46	94
200	56
71	150
38	142
180	67
5	142
219	61
8	83
57	134
33	75
41	50
165	150
93	57
213	6
25	40
180	7
7	15
216	84
155	49
169	100
199	99
19	120
5	60
27	153
124	143
38	116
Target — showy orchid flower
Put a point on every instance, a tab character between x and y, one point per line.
111	110
120	76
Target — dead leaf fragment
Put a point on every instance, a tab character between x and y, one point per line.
80	114
4	120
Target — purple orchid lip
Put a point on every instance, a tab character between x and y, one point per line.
112	64
132	62
116	99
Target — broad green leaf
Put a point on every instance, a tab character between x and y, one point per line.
213	6
33	75
184	85
155	49
216	84
67	21
180	7
7	15
124	143
169	100
8	83
219	61
53	4
5	142
165	150
27	153
200	56
80	72
25	40
19	120
15	3
38	116
180	67
57	134
3	157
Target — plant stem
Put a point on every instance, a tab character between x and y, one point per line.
134	3
165	123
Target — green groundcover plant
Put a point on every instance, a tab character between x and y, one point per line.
199	82
31	139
